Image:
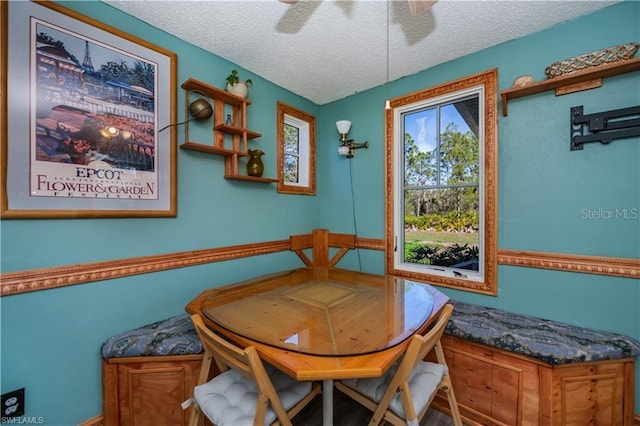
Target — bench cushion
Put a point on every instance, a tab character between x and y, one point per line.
173	336
548	341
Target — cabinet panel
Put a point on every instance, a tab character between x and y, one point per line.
506	395
492	387
521	391
471	380
153	396
589	395
148	391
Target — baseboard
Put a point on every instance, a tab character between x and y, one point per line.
94	421
636	420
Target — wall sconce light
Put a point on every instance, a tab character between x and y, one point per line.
348	145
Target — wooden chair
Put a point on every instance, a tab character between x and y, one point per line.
246	391
403	394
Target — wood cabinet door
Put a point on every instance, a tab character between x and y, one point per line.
153	395
492	387
589	394
150	392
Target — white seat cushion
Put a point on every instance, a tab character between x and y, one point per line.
230	398
423	381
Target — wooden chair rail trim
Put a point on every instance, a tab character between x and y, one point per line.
614	266
370	243
47	278
12	283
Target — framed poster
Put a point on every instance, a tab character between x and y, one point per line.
82	106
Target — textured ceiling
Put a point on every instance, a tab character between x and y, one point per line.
327	50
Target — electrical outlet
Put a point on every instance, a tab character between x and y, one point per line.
12	404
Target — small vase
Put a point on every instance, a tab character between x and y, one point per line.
255	167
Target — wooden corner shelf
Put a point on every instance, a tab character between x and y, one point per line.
194	85
247	178
573	82
229	129
209	149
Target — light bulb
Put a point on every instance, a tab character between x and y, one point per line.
343	150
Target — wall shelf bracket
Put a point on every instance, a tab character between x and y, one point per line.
604	126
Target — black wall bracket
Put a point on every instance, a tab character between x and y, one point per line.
605	126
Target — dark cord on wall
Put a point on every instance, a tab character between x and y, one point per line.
353	212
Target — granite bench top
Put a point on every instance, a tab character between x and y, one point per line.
549	341
173	336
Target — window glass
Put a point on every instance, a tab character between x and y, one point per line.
291	153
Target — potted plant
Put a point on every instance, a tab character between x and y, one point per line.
237	86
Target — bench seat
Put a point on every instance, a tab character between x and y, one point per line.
172	336
148	372
552	342
513	369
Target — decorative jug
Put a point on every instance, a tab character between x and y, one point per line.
254	165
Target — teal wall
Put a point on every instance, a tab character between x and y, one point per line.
544	188
51	339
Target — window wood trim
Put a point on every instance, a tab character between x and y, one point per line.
490	81
283	187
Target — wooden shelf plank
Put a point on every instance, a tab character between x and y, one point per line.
209	149
232	130
253	135
214	92
251	178
592	73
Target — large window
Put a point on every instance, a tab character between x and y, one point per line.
296	151
441	203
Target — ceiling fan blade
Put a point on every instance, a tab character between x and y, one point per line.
297	14
418	6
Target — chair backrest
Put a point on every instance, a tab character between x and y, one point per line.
246	361
417	350
431	340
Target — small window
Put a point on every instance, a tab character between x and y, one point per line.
296	151
441	146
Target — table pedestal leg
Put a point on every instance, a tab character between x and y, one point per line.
327	402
